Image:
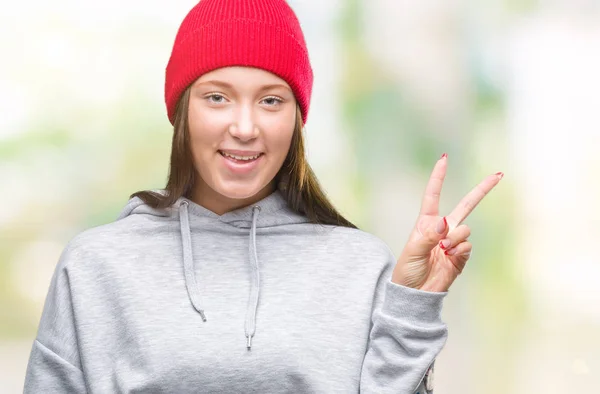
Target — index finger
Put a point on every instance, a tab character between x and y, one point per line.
431	198
470	201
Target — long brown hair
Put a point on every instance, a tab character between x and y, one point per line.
295	180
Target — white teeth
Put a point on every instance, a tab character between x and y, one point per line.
241	157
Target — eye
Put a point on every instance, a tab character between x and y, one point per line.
272	101
215	98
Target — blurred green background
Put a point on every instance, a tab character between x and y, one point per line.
506	86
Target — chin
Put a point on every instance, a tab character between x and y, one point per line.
237	191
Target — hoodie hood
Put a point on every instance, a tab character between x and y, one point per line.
271	211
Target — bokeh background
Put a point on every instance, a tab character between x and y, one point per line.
500	85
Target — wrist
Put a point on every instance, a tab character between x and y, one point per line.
406	282
429	286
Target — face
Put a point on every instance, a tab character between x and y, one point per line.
241	121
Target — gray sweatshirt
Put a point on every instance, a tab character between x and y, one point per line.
257	300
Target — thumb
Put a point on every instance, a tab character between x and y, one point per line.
433	235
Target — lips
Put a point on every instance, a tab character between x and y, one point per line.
241	156
240	166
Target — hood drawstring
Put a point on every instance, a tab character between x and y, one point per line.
188	259
190	277
250	326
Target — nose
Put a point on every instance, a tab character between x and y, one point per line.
243	126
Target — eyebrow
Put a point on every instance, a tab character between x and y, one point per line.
226	85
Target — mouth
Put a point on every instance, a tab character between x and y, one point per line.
240	159
241	165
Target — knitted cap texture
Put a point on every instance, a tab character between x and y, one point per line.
265	34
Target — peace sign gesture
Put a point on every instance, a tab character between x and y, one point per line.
437	249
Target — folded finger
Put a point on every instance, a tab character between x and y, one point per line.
459	255
460	249
455	237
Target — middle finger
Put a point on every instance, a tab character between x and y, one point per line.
474	197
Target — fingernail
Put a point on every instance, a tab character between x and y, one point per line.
444	243
444	156
450	252
500	175
441	226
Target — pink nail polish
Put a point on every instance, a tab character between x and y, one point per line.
444	156
500	175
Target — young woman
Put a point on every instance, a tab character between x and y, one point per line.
240	276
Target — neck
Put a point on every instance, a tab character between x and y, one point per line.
212	200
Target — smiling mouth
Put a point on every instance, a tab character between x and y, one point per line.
240	159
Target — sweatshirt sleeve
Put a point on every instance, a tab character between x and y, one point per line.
407	334
54	365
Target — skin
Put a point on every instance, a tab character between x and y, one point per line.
437	249
238	108
244	108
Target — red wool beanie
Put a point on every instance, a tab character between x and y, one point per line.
264	34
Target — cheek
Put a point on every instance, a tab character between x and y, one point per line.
280	134
205	131
202	118
279	143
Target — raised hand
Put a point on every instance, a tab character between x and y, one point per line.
437	249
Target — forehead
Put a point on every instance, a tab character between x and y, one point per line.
242	77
